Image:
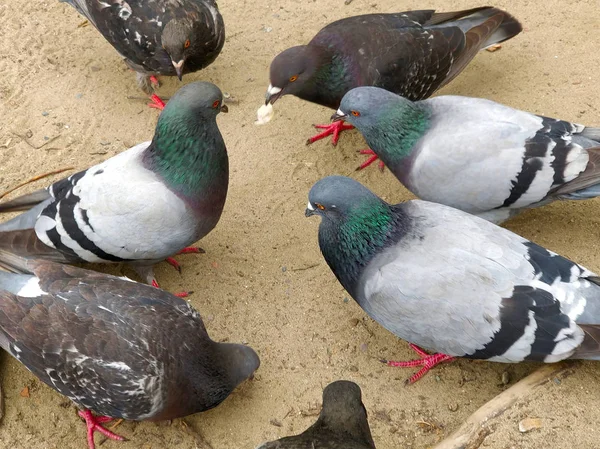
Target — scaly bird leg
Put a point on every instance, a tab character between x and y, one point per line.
334	128
427	361
93	424
371	159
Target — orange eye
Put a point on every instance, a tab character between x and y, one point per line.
293	78
216	104
187	44
355	113
320	206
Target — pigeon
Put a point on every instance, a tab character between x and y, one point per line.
476	155
454	283
158	37
342	423
116	348
140	206
411	53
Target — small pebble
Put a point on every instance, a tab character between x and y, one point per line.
268	29
275	423
78	96
354	322
453	407
346	300
284	269
104	142
529	424
353	368
46	138
45	114
505	378
556	381
364	347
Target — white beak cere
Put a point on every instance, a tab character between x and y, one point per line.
310	206
340	113
272	90
177	65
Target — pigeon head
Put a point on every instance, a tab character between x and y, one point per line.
343	410
290	71
240	362
199	99
336	198
355	225
181	39
391	124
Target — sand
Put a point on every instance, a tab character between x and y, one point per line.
64	101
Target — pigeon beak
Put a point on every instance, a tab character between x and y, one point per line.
224	108
339	115
310	210
178	68
273	93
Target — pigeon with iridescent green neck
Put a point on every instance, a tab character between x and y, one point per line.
454	283
476	155
412	53
141	206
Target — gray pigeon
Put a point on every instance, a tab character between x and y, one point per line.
141	206
114	347
342	423
476	155
158	37
412	53
453	283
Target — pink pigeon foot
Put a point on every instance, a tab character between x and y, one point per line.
154	81
334	128
187	250
157	103
93	424
371	159
427	361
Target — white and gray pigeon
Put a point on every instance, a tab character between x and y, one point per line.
454	283
140	206
158	37
474	154
114	347
342	423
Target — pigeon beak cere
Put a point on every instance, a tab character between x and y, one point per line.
178	68
310	210
339	115
273	93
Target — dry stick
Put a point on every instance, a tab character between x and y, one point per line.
35	178
475	428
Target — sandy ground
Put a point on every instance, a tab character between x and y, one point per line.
64	101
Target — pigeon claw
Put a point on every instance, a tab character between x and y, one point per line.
373	157
157	103
334	129
154	81
192	250
173	263
94	424
427	361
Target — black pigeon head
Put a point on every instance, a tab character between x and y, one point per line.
342	423
291	70
185	39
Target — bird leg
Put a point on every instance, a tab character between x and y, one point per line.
94	424
427	361
179	294
334	128
157	103
371	159
154	81
186	250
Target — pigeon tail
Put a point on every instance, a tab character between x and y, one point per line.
591	133
587	184
590	347
25	202
25	220
18	247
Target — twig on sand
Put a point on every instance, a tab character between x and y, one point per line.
474	430
35	178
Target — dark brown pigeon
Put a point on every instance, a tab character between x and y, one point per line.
411	53
342	423
115	347
158	37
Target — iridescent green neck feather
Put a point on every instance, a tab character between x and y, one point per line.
189	153
350	241
398	128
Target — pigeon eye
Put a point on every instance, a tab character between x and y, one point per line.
293	78
355	113
215	105
187	44
320	206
